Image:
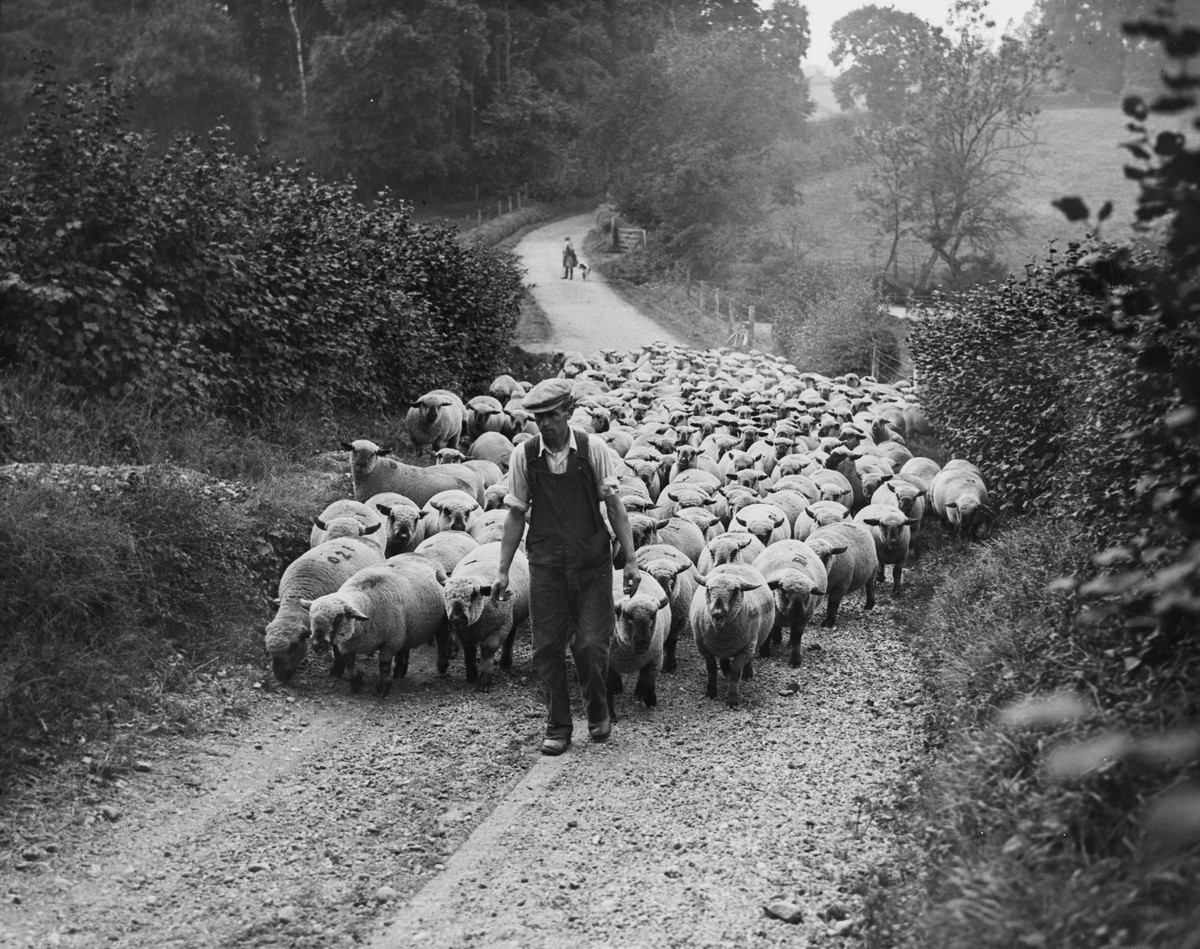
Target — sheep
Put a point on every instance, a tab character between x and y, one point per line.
405	527
797	482
730	547
959	497
643	621
391	607
446	548
481	621
450	511
448	456
485	413
920	471
373	472
834	486
494	495
891	530
681	534
791	502
504	387
677	576
797	579
765	521
710	525
317	571
489	526
912	500
818	515
848	551
494	447
436	419
732	612
346	518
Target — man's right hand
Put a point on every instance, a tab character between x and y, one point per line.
500	587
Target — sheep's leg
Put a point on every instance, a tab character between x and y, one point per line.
710	666
831	608
647	683
725	666
469	658
736	668
797	632
870	605
507	648
339	664
748	668
669	645
386	658
487	655
355	674
444	640
400	668
896	571
614	685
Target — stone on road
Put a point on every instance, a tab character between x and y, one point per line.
585	314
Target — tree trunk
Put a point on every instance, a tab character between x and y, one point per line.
291	5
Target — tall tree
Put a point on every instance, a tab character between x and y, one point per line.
882	47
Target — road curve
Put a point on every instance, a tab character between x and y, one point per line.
585	314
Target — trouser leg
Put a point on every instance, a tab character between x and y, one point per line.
549	618
593	615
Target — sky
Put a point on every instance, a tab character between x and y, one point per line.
822	14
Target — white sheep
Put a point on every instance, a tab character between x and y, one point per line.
643	621
730	547
481	621
678	577
446	548
489	526
436	419
494	447
405	527
373	472
732	613
485	413
892	531
797	579
765	521
391	608
347	518
317	571
817	515
681	534
834	486
452	510
902	493
959	497
848	551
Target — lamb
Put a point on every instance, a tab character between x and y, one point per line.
848	551
317	571
436	419
960	497
797	578
494	495
446	549
677	576
643	621
481	621
730	547
891	530
405	528
347	518
732	613
373	472
391	608
452	510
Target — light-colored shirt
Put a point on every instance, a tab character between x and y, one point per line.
598	455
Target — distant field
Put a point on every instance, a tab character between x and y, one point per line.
1077	154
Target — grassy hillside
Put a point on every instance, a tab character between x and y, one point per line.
1077	154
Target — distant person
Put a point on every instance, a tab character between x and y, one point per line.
569	260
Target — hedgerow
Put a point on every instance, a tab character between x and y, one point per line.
195	274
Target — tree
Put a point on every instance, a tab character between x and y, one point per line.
946	161
885	46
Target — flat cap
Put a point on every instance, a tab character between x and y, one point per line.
547	395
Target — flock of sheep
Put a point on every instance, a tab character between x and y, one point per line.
754	492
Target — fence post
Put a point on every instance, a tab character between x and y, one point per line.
499	207
874	360
510	204
717	301
701	296
749	327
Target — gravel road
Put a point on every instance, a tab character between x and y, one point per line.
310	817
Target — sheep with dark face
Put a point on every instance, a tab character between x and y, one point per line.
436	419
450	511
730	547
643	621
678	577
319	570
732	613
389	608
347	518
404	528
479	620
960	497
891	530
797	579
683	535
765	521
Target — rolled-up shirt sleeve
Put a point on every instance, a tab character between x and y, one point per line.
517	497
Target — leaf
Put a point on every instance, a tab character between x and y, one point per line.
1105	211
1073	208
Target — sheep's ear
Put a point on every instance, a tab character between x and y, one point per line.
663	603
885	478
920	492
661	523
307	634
910	522
744	542
319	524
275	602
305	604
701	579
778	519
347	446
815	592
746	585
952	504
773	584
809	512
889	487
873	521
435	507
414	405
372	529
485	589
384	509
838	550
383	451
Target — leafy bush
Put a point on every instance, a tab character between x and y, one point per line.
202	277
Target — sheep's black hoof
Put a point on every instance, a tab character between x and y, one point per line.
382	688
356	683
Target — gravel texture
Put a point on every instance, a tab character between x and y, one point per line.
429	818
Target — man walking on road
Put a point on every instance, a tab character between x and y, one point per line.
569	260
561	477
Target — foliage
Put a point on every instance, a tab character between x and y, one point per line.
946	158
198	276
885	46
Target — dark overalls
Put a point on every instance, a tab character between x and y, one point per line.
570	583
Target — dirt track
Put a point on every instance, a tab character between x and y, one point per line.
310	817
